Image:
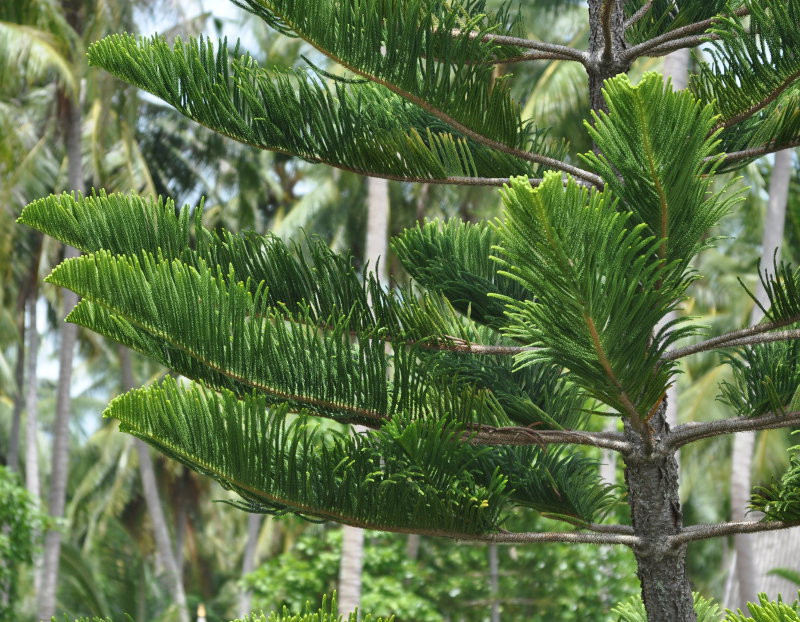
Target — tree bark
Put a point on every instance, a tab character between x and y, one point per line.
494	581
748	579
652	481
153	502
249	560
606	20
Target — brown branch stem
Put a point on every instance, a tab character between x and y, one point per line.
691	432
518	435
704	532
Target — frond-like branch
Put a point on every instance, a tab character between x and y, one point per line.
488	435
355	126
691	432
701	17
595	291
780	501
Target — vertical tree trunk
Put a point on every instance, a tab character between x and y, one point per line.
58	480
19	379
606	17
353	538
249	560
153	502
748	579
32	483
494	581
652	481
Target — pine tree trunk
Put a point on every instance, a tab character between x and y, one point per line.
652	481
153	502
748	579
249	560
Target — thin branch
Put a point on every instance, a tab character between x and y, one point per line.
454	344
605	20
574	537
704	532
782	335
643	48
763	103
757	152
540	46
537	158
691	432
638	15
518	435
732	338
684	42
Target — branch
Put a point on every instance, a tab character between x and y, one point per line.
762	104
704	532
736	337
691	432
756	152
605	19
638	15
769	337
643	48
518	435
537	158
574	537
540	46
678	44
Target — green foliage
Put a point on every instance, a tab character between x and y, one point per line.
454	259
749	79
781	499
357	126
766	611
656	152
632	610
21	525
326	613
765	378
450	581
782	289
599	291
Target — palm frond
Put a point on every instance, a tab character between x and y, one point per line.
356	126
599	292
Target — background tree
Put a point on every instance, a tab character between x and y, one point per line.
591	262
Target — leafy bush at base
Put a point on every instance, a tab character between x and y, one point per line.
632	610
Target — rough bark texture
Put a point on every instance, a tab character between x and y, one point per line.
652	481
249	560
748	580
606	20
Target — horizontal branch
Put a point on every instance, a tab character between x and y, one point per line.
735	337
518	435
757	152
678	44
539	46
644	48
704	532
691	432
574	537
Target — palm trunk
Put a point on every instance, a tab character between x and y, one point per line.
32	483
69	332
494	581
19	376
353	538
249	560
748	579
153	502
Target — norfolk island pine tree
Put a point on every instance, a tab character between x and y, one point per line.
513	333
